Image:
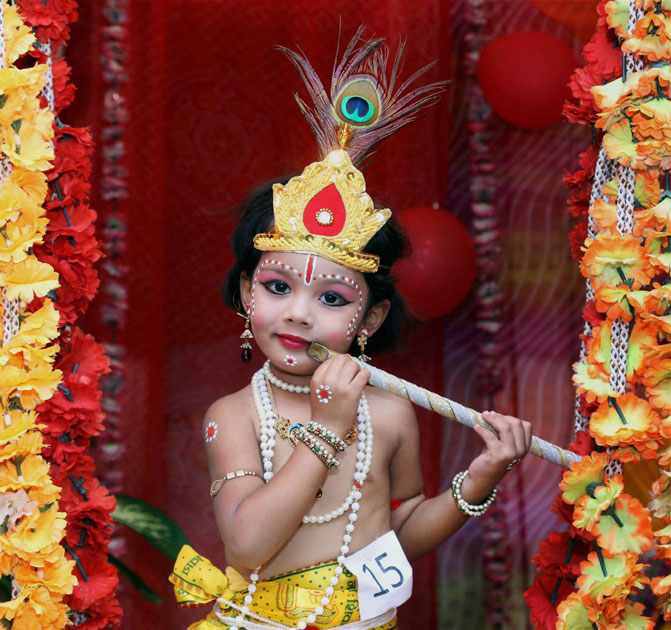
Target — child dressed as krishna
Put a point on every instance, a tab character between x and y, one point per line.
306	459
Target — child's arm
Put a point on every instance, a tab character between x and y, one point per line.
256	519
422	524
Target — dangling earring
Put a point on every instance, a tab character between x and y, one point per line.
246	354
361	340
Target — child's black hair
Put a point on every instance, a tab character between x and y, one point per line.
390	243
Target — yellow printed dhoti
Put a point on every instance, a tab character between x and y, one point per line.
288	598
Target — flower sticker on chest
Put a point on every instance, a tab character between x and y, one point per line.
211	431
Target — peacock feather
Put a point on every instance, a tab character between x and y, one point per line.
365	104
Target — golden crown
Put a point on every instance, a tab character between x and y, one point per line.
326	211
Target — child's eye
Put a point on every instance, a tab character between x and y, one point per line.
331	298
278	287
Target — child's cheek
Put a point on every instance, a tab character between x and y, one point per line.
336	336
259	320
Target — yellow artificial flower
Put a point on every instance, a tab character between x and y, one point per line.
39	385
37	608
605	215
32	183
662	322
657	217
24	471
590	381
572	614
57	577
41	326
19	423
20	90
610	577
582	474
613	301
626	419
20	235
650	37
615	259
28	279
27	443
598	347
620	144
624	527
38	531
18	36
599	496
617	15
657	381
31	146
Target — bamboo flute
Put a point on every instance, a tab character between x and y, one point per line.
444	407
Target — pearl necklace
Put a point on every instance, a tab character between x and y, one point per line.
364	458
267	418
287	387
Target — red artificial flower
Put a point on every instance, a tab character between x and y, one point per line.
64	89
583	444
577	238
542	610
603	52
565	512
87	355
61	449
50	19
591	315
101	583
552	555
102	614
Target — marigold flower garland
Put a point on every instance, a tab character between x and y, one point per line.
73	415
31	525
624	376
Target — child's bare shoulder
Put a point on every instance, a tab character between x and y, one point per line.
230	408
391	414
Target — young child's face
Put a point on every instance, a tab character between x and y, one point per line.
295	299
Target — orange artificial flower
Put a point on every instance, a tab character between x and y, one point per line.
624	527
614	577
626	419
614	260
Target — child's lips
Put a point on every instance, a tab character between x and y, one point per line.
293	342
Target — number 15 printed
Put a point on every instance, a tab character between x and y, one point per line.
384	569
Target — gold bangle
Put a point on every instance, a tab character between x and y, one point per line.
218	484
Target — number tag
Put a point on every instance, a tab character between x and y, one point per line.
384	575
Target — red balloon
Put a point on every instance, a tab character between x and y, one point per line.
577	15
524	77
438	275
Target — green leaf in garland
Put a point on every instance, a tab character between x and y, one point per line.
5	588
137	582
156	527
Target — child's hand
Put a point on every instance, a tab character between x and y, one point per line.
336	388
500	453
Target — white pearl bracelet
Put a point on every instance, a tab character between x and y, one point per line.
464	506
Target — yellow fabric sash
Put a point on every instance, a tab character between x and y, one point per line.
287	598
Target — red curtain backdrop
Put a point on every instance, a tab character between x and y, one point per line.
212	115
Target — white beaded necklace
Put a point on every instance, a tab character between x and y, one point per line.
364	458
278	382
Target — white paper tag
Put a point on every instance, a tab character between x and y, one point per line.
383	573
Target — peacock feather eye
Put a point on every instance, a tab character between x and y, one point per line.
357	109
359	102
